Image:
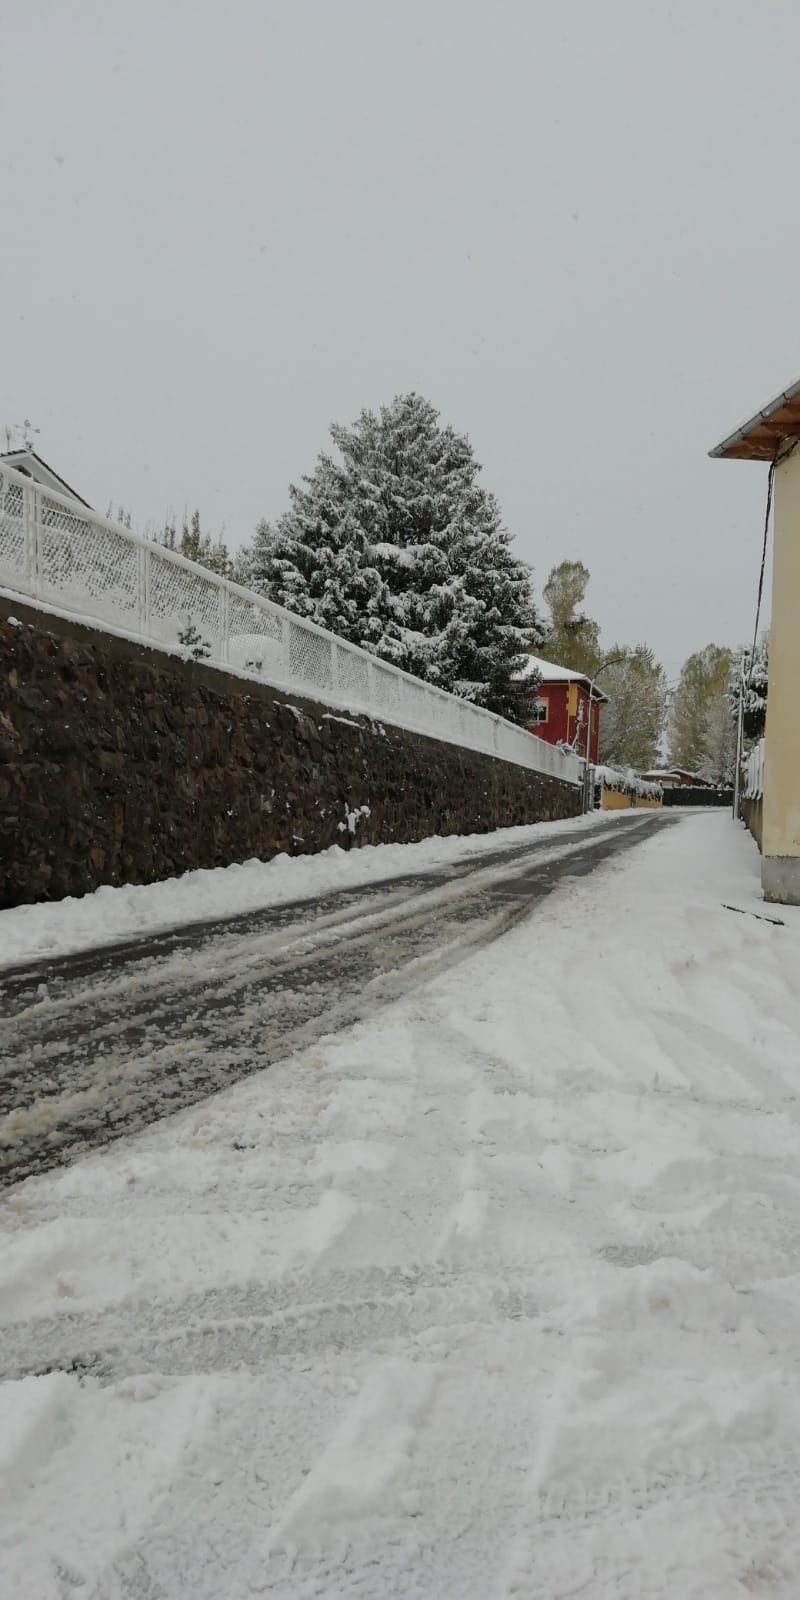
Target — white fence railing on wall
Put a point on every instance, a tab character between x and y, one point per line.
754	773
60	555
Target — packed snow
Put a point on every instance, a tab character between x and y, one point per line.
135	910
493	1295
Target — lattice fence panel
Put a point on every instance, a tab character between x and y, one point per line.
416	705
352	672
12	530
85	563
386	688
461	719
255	639
182	600
310	658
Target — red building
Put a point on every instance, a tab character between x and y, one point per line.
561	709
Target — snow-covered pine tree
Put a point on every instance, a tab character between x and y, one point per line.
399	548
755	688
192	640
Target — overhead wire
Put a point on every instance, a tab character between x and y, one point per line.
764	545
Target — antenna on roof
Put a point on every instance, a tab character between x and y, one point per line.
14	429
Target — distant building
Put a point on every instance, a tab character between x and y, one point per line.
773	436
676	778
31	465
561	708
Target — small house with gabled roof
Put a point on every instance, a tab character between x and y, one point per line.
31	465
566	702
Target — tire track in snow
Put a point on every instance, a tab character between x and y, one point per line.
114	1044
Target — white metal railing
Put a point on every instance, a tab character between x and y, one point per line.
67	559
754	773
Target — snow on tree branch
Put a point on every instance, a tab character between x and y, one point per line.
397	547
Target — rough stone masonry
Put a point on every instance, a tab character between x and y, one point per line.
123	764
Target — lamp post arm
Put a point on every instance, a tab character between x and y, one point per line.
610	661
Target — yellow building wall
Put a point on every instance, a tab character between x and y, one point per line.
612	800
781	816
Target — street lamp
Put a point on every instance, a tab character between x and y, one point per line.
610	661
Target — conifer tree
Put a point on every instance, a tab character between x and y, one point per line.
397	547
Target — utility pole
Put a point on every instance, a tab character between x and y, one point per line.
610	661
588	797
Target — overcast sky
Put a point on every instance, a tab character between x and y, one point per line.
574	227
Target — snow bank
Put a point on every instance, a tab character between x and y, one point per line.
108	915
105	1457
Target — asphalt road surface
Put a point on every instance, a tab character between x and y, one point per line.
103	1043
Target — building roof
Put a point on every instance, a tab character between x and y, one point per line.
758	439
657	773
550	673
27	460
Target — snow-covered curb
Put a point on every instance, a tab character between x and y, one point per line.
109	915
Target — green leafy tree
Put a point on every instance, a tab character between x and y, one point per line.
198	546
718	761
632	723
396	546
573	638
703	684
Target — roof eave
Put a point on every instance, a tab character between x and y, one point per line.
758	439
27	450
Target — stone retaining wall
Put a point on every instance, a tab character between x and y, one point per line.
121	764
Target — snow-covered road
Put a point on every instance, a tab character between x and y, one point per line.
495	1293
104	1043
